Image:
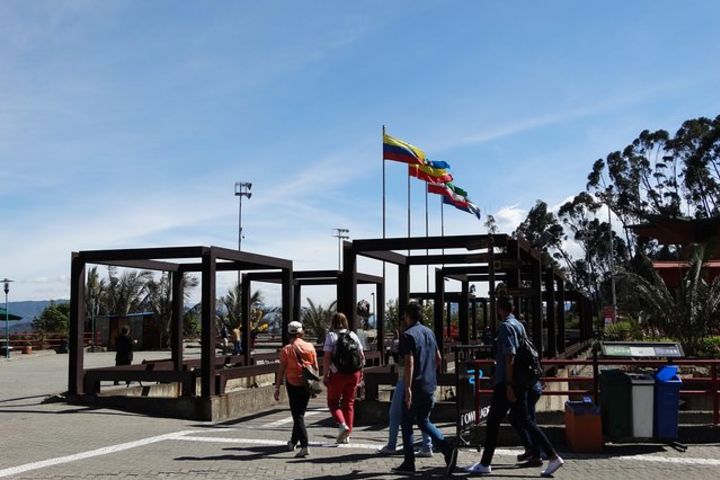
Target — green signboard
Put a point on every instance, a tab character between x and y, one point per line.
642	349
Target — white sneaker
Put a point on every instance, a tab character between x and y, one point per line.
424	453
387	450
553	466
302	453
346	440
343	433
478	469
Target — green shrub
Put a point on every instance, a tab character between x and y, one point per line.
708	347
622	331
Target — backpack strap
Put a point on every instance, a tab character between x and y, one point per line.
298	356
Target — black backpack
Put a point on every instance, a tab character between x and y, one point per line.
527	369
347	357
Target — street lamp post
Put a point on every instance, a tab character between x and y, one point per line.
6	283
242	189
341	234
612	266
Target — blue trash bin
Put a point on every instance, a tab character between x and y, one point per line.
667	403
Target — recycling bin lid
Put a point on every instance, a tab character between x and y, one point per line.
641	379
666	373
582	407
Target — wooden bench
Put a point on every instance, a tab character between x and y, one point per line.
136	373
222	376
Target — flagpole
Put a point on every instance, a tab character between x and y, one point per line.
427	234
383	213
442	223
408	212
383	190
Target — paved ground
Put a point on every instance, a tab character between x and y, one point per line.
41	441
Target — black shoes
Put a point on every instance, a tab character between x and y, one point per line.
404	469
450	460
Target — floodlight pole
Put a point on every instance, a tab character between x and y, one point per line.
612	265
341	234
242	189
6	283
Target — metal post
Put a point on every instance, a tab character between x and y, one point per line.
6	283
341	234
242	189
715	399
612	265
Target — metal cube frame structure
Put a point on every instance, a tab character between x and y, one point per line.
208	261
487	258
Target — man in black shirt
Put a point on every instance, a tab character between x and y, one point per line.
124	348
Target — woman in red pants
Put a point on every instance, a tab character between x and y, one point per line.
342	370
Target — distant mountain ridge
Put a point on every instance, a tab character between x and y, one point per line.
28	310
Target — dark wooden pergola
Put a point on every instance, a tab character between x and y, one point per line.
457	298
211	261
304	278
486	258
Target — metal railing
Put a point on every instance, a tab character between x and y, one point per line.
711	383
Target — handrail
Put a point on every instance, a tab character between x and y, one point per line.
711	391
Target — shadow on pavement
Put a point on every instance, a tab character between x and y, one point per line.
352	475
255	453
83	410
235	421
352	457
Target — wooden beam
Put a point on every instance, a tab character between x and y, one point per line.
259	261
94	256
469	242
287	301
208	326
176	320
77	325
386	256
141	264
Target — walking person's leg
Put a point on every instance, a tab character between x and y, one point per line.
395	418
299	398
538	438
335	389
408	418
349	392
499	406
531	455
334	392
422	406
533	396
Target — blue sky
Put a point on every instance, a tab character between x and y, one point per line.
125	124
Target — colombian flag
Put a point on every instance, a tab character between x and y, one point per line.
399	151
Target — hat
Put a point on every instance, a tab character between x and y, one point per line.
295	328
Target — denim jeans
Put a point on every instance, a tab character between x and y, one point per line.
419	413
396	406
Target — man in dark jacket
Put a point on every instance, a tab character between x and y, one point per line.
124	348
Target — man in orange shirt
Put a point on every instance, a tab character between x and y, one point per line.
293	357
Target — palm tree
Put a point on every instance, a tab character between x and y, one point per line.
124	293
158	297
688	313
230	305
316	319
94	292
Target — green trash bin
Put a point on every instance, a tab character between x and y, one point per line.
616	404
